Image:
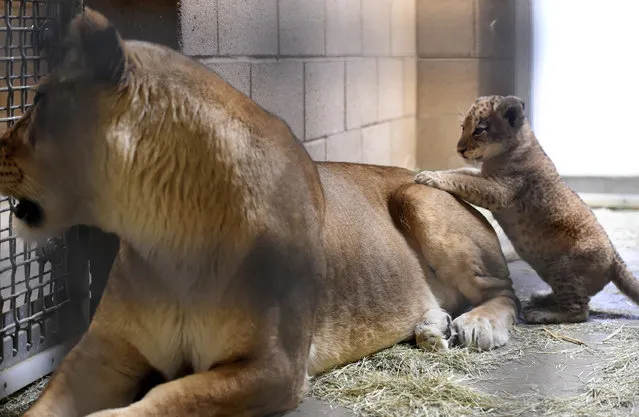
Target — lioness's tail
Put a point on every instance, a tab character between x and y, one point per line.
624	280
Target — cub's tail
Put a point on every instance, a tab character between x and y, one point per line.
624	280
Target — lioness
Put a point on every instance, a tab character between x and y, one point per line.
243	268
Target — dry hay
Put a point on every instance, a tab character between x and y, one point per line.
406	381
16	404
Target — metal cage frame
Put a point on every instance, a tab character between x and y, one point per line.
44	290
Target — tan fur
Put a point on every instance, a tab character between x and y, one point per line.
549	225
243	267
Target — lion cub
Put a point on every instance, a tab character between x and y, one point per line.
550	227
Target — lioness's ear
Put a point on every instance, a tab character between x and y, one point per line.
512	109
99	48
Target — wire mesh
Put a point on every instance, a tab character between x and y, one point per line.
32	289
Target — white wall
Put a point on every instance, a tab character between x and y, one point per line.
585	85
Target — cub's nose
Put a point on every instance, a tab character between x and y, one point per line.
462	149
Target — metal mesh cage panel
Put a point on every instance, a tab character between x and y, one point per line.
32	289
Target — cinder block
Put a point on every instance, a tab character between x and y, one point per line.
198	23
410	86
324	98
302	27
248	27
238	74
361	92
376	27
345	146
391	88
445	28
437	138
404	143
403	27
316	149
376	144
495	28
343	27
449	86
156	21
279	88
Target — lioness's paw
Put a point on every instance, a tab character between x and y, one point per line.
430	178
433	333
480	332
430	338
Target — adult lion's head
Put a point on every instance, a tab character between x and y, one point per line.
49	158
139	140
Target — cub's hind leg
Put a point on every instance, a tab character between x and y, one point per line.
570	307
568	302
542	299
554	315
462	250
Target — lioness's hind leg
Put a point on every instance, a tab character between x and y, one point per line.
463	251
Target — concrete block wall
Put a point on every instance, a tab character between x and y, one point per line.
376	81
341	73
466	48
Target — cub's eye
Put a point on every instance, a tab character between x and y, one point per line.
481	128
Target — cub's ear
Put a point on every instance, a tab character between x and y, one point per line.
95	48
512	109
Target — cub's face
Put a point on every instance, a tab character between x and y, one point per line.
490	127
51	157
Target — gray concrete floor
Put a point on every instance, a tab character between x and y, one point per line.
561	375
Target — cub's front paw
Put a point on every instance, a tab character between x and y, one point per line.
435	331
431	178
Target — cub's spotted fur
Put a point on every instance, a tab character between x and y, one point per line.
549	225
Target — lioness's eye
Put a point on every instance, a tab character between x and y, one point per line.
37	98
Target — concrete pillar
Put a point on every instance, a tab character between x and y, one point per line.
466	48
